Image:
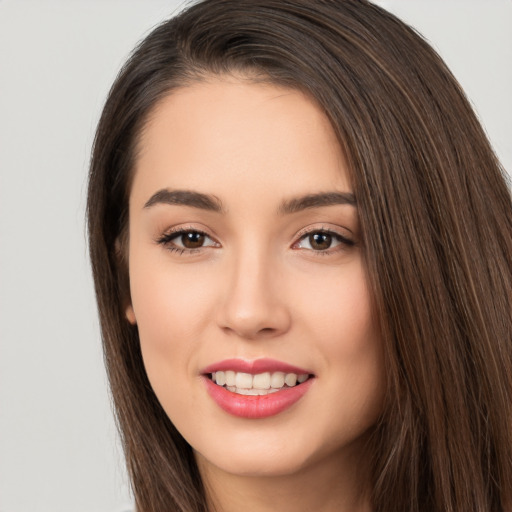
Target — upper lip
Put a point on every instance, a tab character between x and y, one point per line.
254	366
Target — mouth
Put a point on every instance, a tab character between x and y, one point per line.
261	384
256	389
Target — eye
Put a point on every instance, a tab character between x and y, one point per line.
322	241
186	240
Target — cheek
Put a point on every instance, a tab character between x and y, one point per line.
167	300
171	309
339	321
338	310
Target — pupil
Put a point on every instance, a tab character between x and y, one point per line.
192	240
320	241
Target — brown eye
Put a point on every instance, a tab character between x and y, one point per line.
320	241
186	240
192	239
323	242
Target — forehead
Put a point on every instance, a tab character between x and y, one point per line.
230	131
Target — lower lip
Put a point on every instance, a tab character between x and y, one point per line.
256	407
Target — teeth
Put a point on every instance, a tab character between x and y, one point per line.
230	378
277	380
259	384
253	391
261	381
243	380
302	378
290	379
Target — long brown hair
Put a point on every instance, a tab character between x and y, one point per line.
436	218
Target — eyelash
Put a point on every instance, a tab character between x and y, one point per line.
344	242
167	241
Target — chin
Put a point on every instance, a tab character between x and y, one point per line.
263	452
256	462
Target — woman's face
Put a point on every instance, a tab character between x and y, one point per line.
245	266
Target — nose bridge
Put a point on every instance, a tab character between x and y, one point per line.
254	305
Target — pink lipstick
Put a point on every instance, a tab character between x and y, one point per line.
256	389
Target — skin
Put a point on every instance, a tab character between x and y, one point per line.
257	288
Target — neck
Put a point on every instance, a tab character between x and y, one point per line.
335	484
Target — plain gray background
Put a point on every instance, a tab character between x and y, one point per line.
58	443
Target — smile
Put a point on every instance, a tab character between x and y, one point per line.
256	389
260	384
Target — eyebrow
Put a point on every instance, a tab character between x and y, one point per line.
185	198
316	201
212	203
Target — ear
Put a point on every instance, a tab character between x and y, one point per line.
130	314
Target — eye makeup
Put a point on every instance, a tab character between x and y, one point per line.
192	240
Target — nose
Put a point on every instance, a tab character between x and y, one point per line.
254	304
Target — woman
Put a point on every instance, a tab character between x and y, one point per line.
301	243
